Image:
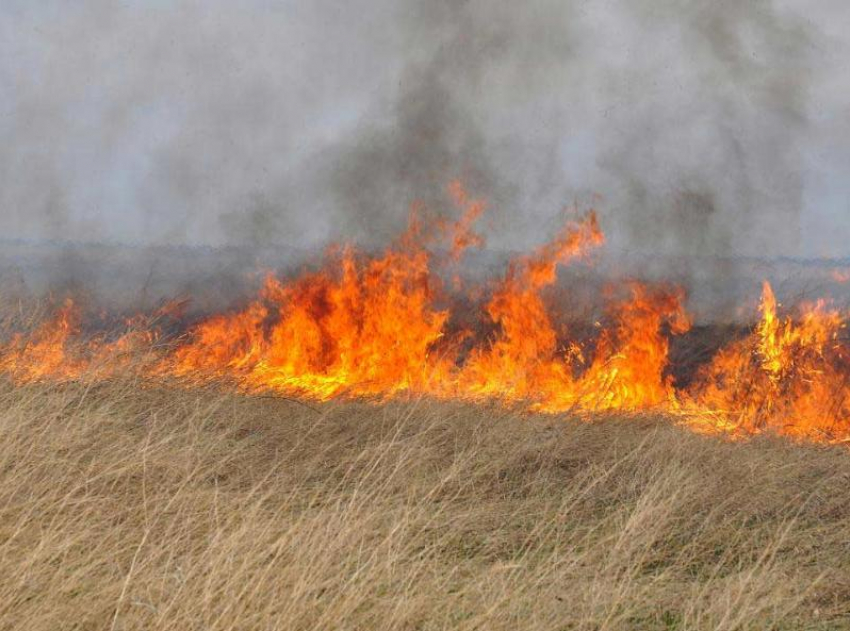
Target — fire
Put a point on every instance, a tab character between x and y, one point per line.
463	235
841	275
521	363
362	326
384	325
629	371
789	376
45	353
56	350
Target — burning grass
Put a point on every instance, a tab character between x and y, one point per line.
349	450
131	507
386	325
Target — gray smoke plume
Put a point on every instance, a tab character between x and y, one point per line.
709	154
294	123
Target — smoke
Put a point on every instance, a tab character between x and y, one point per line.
710	145
294	123
471	65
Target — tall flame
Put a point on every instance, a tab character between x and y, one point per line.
790	376
359	327
379	326
521	362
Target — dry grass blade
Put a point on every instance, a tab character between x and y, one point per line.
131	508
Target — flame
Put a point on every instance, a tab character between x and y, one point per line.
362	327
629	371
789	376
57	351
463	236
521	362
383	325
44	353
841	275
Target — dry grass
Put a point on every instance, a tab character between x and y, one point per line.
130	508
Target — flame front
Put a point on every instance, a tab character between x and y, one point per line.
382	326
789	376
361	327
521	362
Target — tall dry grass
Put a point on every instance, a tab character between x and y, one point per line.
124	507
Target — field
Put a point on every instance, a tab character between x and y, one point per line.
125	506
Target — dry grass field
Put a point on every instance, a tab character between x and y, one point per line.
128	507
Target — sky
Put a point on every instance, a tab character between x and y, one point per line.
709	127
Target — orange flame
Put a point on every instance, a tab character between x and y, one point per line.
463	235
841	275
632	356
362	326
520	362
378	326
44	353
788	376
55	350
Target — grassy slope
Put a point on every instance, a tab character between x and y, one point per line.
128	508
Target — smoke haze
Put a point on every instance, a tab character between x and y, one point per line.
696	126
